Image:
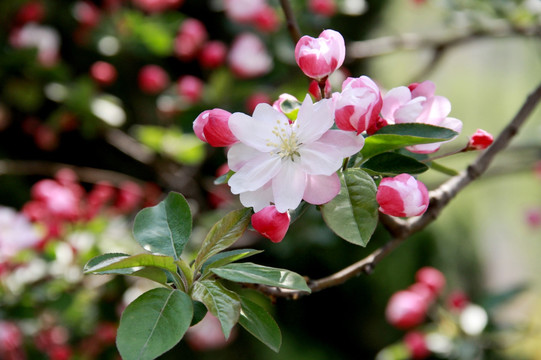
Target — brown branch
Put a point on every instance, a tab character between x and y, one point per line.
439	198
291	22
436	39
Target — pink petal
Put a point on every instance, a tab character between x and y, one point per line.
321	189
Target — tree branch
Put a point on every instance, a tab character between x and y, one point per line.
291	22
439	198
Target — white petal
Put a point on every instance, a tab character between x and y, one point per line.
288	186
239	154
314	120
257	199
255	173
257	131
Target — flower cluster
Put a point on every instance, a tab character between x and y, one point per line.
280	157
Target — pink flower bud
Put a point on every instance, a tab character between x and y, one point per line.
191	36
212	126
416	344
406	309
357	107
480	140
248	57
129	197
322	7
152	79
103	73
271	224
402	195
156	6
457	300
86	13
213	54
267	20
243	11
431	277
315	90
32	11
190	88
424	291
533	217
318	58
256	99
277	104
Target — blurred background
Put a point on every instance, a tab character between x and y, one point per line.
97	100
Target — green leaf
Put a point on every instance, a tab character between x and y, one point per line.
221	302
152	273
260	324
165	228
224	178
153	323
391	164
258	274
227	257
290	108
223	234
494	300
443	169
353	213
103	264
392	137
199	312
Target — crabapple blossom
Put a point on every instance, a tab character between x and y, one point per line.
190	88
277	104
16	233
255	99
45	38
191	36
271	223
416	344
480	140
103	73
431	277
152	79
212	54
281	163
243	11
318	58
322	7
402	195
32	11
357	107
315	91
156	6
211	126
418	104
248	57
266	20
86	13
406	309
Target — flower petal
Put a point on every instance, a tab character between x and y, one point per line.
288	186
313	120
257	131
239	154
255	173
321	189
257	199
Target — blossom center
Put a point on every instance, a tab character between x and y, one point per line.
288	143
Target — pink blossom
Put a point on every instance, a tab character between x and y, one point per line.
191	36
416	344
315	90
406	309
281	162
243	11
156	6
402	195
266	20
277	104
190	88
533	217
248	57
103	73
212	126
457	301
357	107
61	201
152	79
11	341
431	277
207	334
418	104
45	38
86	13
129	197
212	54
318	58
322	7
256	99
271	224
480	140
16	233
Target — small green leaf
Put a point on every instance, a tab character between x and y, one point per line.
221	302
258	274
392	137
165	228
224	178
103	264
442	169
290	108
390	164
223	234
152	273
153	323
260	324
227	257
353	213
199	312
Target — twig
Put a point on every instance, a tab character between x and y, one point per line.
439	198
291	22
